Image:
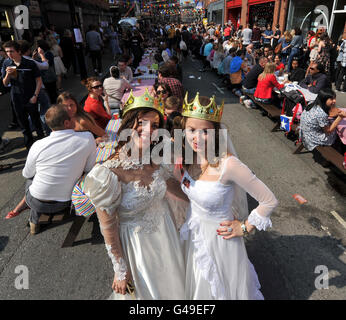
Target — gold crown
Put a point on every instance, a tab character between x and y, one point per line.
143	101
211	112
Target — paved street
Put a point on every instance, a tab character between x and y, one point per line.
303	237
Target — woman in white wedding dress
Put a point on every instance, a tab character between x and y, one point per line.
135	219
217	265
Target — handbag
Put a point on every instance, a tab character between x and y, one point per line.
285	122
182	45
278	48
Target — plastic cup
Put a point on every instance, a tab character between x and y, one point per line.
139	80
14	74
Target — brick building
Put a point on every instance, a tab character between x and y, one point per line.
306	14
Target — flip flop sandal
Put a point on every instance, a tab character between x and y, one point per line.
12	214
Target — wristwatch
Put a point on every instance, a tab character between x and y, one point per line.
245	232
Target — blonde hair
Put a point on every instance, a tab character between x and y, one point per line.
288	36
268	69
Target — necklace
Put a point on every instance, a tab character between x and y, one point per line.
199	174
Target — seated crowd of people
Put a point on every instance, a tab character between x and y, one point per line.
75	129
248	66
256	64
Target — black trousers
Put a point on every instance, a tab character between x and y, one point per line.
23	110
52	91
96	60
341	73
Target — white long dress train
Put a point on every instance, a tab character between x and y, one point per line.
139	231
219	269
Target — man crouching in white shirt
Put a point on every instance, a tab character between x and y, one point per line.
54	164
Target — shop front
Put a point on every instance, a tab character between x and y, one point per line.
233	8
261	11
308	15
215	12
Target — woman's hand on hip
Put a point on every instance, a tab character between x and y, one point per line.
230	229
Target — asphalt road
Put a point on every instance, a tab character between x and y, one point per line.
303	237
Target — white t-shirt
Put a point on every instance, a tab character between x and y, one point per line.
57	162
247	35
115	88
127	74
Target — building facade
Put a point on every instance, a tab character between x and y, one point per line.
63	14
215	11
7	20
263	12
329	15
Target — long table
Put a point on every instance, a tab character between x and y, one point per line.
138	89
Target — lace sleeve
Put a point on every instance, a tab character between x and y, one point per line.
109	225
104	190
238	172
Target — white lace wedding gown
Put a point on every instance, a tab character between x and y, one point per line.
217	268
138	230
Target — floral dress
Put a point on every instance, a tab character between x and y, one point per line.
311	131
323	57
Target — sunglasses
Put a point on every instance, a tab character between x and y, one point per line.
312	68
97	87
161	91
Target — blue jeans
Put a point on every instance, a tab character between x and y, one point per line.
294	53
249	91
265	101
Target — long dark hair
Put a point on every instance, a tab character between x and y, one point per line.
180	123
130	121
322	98
80	112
